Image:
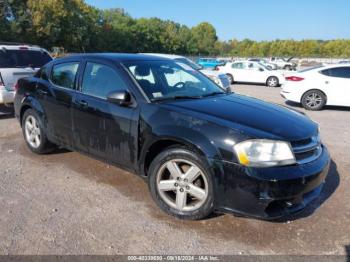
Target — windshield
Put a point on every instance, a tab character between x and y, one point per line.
163	80
189	63
23	58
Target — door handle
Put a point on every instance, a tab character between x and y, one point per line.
83	103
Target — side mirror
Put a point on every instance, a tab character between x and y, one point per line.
122	98
261	69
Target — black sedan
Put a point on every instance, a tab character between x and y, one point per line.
201	148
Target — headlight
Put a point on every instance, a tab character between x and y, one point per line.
264	153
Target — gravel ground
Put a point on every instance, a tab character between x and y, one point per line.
67	203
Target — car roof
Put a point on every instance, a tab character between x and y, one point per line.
170	56
16	46
115	57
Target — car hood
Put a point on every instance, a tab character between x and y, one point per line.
250	116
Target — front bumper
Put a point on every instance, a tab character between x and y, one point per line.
268	193
6	97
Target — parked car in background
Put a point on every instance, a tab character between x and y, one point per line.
209	62
319	86
220	79
344	62
264	62
200	149
251	72
16	61
283	63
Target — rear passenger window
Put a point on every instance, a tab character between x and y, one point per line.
64	74
99	80
342	72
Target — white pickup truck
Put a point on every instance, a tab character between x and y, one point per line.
283	63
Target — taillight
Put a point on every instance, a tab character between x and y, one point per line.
294	78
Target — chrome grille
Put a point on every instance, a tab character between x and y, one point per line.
307	150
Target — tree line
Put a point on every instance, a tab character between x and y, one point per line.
79	27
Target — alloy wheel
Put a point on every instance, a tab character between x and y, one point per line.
182	185
313	100
272	82
32	132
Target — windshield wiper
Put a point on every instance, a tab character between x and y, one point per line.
175	98
213	94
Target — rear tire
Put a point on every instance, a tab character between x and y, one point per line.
189	186
313	100
230	78
272	81
34	133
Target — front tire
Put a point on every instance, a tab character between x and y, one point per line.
181	184
313	100
272	81
34	133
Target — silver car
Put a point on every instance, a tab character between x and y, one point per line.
17	61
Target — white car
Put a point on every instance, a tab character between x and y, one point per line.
219	78
251	72
17	61
264	62
319	86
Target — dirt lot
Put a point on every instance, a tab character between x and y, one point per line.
66	203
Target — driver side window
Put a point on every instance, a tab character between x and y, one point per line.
238	66
99	80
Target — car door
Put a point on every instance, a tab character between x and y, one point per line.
101	128
55	90
239	71
255	73
336	82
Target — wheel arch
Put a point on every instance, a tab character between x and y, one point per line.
277	77
31	103
158	146
313	89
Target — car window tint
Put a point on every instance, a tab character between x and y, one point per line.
342	72
23	58
64	74
99	80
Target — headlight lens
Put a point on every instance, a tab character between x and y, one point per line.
264	153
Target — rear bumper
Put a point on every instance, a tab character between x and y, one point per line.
269	193
290	96
6	97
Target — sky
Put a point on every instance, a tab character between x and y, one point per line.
254	19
